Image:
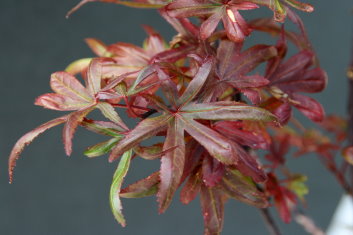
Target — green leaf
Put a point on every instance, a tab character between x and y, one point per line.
101	148
103	128
119	175
78	66
242	188
97	46
298	186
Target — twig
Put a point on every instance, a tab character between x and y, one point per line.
350	107
270	223
308	224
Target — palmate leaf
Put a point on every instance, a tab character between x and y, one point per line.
119	175
290	78
227	11
280	9
67	85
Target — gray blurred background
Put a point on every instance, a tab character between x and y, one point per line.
54	194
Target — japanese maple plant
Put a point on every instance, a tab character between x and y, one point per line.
225	111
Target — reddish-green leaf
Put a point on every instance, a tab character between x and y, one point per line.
172	164
72	122
65	84
101	148
27	139
60	102
109	112
243	189
212	204
197	82
152	152
226	111
348	154
118	178
217	145
78	66
192	187
142	188
97	46
145	129
103	128
95	74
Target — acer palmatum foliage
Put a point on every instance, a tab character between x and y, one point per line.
204	92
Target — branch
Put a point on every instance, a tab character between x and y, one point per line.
350	108
308	224
270	223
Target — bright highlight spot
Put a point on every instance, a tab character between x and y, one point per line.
231	15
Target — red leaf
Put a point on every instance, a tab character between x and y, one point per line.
217	145
212	204
309	107
65	84
238	133
209	25
226	111
188	8
212	171
27	139
142	188
145	129
97	46
243	189
72	122
248	165
60	102
191	188
95	74
197	82
172	164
